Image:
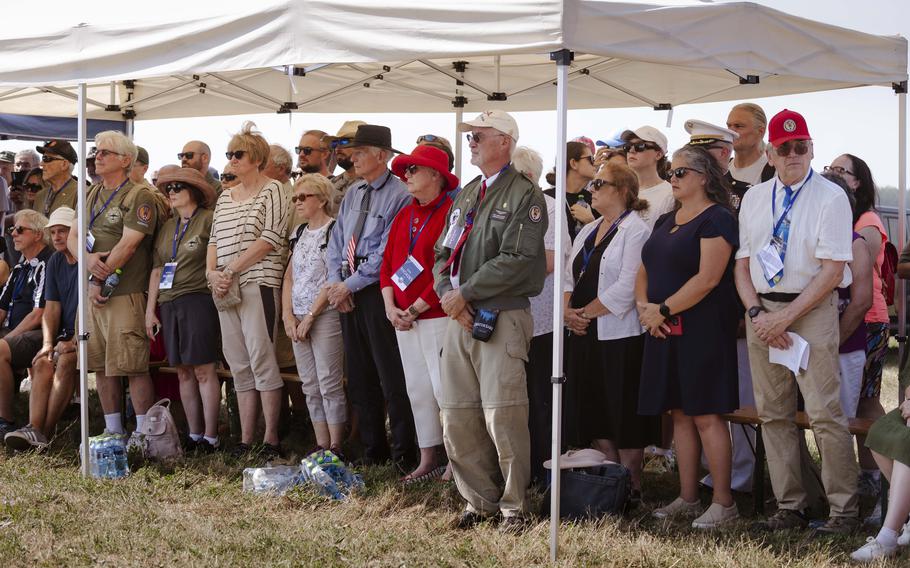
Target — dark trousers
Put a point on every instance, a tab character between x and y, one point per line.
376	380
540	402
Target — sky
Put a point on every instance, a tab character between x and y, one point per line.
860	121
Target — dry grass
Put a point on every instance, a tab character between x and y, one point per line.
196	514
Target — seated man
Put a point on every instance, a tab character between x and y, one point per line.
54	367
22	300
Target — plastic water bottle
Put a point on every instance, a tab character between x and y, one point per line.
113	279
104	462
120	466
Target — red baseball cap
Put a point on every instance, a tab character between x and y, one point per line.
787	125
427	156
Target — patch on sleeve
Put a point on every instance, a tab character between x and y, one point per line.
144	214
535	214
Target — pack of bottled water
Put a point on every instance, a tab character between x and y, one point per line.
107	456
323	469
274	480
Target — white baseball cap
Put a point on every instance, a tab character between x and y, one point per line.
498	119
62	216
651	134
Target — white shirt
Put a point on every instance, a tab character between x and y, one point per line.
616	280
542	304
750	174
660	200
309	268
821	228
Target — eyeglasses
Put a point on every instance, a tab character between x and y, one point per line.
680	173
340	142
640	147
19	229
48	158
228	177
302	197
412	169
235	154
476	137
33	186
801	147
307	150
102	153
175	187
837	170
185	155
427	138
296	174
599	183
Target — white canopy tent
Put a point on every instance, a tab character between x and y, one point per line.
392	56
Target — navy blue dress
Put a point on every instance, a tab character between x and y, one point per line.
695	371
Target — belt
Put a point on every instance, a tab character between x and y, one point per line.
779	296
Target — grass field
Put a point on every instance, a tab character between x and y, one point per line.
195	514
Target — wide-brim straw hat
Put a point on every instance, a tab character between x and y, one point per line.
189	176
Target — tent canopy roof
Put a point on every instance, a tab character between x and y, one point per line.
363	55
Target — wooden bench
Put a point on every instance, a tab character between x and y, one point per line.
748	417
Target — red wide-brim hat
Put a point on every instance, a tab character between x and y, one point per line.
428	157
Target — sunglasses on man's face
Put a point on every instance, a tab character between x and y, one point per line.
48	158
341	142
175	187
801	147
680	173
228	177
639	147
19	229
235	154
476	137
185	155
307	150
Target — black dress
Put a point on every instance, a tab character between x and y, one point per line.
695	371
605	374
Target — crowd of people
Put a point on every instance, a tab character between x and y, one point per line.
402	294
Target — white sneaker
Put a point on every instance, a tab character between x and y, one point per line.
873	550
26	385
678	507
904	538
716	516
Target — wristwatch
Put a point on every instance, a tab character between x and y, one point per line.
413	311
755	310
664	310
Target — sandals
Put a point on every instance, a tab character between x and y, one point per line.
434	473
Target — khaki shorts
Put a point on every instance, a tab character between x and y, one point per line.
117	343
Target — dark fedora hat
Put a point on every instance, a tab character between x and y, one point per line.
373	135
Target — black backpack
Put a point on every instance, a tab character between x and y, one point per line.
328	235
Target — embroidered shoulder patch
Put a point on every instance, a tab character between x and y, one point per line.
535	214
144	214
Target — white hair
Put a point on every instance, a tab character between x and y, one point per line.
528	162
120	143
32	156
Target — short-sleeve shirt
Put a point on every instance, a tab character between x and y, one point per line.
61	286
309	267
49	199
878	313
191	242
821	228
237	225
24	290
132	207
660	200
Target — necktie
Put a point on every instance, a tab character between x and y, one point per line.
358	227
788	196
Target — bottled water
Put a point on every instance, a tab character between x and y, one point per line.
276	480
111	283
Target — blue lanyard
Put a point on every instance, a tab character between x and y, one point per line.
786	211
177	228
106	203
586	253
416	234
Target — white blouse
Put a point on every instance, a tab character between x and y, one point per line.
309	266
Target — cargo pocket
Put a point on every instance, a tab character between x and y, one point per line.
132	352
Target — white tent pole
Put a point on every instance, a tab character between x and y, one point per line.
459	118
562	58
901	224
83	280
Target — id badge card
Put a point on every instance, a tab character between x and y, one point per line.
769	258
89	241
453	235
408	272
167	276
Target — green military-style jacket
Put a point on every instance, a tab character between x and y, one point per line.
502	261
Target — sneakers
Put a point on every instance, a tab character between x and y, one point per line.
6	427
904	538
678	508
25	438
240	451
136	443
514	525
868	483
873	550
205	447
782	520
838	526
716	516
271	451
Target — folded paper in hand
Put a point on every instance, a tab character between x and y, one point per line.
795	358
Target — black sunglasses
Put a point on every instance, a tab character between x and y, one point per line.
640	147
175	187
801	147
427	138
476	137
599	183
296	174
837	170
680	173
307	150
235	154
19	229
412	169
33	186
301	198
340	142
48	158
228	177
185	155
588	158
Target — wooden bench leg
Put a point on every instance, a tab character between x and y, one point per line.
758	474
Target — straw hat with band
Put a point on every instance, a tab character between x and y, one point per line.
428	157
188	176
347	132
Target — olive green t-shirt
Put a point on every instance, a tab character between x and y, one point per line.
133	207
192	246
49	199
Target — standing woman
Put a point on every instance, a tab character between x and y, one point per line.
411	303
604	350
580	171
310	322
687	303
646	154
245	262
869	225
177	283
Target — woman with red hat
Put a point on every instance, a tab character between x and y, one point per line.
411	303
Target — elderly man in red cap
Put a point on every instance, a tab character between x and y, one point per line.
795	240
